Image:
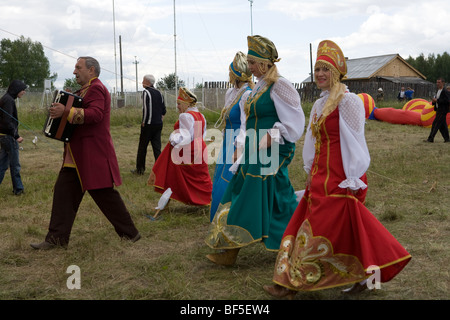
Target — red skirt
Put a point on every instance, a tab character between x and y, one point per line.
190	183
332	239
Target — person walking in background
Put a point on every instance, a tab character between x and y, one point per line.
380	95
441	103
232	120
89	163
409	93
9	135
260	200
183	164
153	111
401	95
332	238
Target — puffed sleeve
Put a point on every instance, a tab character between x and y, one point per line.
308	151
289	111
185	133
355	154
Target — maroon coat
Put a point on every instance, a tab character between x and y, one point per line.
91	143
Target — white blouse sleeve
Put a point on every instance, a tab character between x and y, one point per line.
355	154
309	148
289	110
240	139
185	133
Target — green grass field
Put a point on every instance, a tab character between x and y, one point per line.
409	185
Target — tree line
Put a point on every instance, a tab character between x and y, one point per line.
25	60
433	66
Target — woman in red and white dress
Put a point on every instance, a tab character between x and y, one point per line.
182	165
332	239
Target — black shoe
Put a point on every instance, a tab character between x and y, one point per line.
446	141
133	240
43	245
18	192
428	141
137	172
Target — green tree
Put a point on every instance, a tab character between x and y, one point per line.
433	66
24	60
168	82
71	84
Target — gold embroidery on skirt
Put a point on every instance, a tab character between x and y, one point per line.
309	262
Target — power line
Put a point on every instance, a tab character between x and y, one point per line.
60	52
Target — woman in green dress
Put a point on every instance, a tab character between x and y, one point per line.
260	200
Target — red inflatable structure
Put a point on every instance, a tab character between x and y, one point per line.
417	112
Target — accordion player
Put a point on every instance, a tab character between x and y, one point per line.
60	128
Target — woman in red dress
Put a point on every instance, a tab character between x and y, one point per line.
182	165
332	239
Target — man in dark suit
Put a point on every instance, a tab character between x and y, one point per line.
441	106
153	111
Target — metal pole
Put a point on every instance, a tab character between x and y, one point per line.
115	52
251	16
137	90
175	51
310	61
121	67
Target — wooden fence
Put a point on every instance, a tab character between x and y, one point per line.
212	95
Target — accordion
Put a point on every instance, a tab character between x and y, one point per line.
60	128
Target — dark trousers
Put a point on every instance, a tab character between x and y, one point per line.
150	133
439	124
66	201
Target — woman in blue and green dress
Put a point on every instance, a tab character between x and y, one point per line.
232	121
260	200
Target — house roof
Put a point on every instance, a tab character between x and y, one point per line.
366	68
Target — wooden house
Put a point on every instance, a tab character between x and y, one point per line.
389	72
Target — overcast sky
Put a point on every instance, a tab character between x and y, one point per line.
210	32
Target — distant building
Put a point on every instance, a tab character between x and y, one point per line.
386	68
389	72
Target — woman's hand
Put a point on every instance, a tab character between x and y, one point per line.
265	142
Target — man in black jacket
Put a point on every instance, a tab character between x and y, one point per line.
9	135
441	106
153	111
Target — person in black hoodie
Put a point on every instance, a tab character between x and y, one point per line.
9	135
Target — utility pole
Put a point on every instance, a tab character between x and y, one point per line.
310	61
175	51
115	54
121	67
137	91
251	16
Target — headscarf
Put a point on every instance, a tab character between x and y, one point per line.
239	69
239	72
264	51
186	97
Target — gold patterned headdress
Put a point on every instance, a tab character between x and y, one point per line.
329	55
239	68
263	50
187	97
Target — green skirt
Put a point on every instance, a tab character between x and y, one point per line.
258	203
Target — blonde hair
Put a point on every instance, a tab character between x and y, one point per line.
266	68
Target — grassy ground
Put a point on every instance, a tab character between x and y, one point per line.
409	183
